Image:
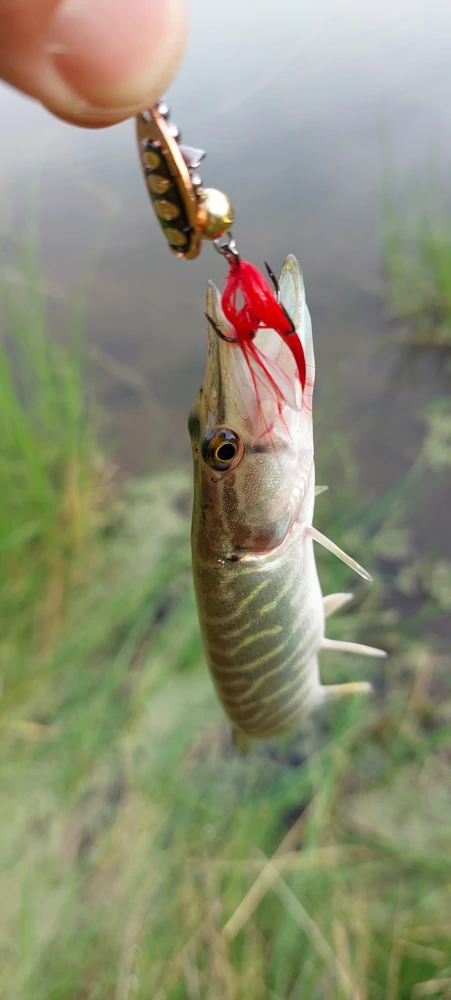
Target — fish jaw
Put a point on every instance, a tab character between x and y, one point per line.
252	506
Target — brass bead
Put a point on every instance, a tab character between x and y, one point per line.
166	210
215	214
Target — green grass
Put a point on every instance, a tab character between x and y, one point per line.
135	833
135	843
51	475
417	265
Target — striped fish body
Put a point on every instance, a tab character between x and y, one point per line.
262	624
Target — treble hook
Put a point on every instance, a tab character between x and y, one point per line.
221	335
277	290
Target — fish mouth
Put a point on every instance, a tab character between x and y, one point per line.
239	379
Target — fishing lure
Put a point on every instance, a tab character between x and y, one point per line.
188	214
261	610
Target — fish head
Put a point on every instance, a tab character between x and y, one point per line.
252	434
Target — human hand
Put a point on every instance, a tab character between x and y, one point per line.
92	62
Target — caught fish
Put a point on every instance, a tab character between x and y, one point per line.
261	610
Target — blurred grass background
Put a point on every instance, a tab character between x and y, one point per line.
140	856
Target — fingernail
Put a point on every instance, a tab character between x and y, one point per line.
117	52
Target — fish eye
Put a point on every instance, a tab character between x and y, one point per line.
222	449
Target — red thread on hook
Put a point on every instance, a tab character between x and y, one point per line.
260	311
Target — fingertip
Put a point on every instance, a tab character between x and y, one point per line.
115	56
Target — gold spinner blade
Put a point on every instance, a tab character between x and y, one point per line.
187	212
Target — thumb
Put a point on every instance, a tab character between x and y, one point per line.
92	62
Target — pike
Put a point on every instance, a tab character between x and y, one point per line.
261	611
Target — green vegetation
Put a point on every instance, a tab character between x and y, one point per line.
134	841
417	260
50	473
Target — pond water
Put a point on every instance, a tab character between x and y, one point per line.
300	108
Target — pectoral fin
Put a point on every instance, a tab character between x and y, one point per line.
351	647
333	602
327	544
320	489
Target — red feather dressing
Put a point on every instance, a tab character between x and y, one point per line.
260	311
